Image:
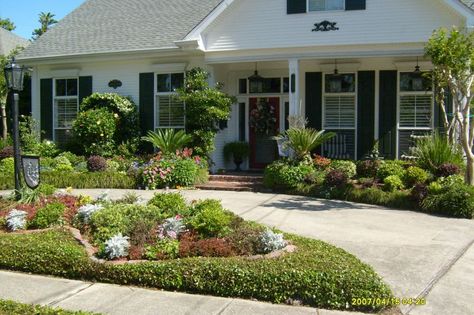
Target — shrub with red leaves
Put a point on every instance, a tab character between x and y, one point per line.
321	162
419	193
189	246
447	169
96	164
30	209
71	203
335	178
368	168
6	152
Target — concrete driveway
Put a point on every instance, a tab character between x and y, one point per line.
418	255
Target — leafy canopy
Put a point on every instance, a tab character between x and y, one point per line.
7	24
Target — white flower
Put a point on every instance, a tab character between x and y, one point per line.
117	246
16	220
85	212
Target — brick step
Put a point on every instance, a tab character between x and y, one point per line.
236	178
232	186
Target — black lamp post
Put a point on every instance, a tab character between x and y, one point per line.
14	75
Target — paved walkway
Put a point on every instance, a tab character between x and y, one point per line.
416	254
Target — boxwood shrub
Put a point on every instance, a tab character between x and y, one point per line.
317	274
282	175
15	308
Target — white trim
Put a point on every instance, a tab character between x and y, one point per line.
164	68
54	123
342	67
408	66
73	72
462	9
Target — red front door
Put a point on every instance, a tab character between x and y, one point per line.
264	124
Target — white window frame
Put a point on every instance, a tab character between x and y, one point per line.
325	9
172	93
55	98
356	107
411	93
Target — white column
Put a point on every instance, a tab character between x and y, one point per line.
295	100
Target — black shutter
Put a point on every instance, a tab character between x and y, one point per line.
46	103
147	102
388	113
365	112
314	99
85	87
295	6
355	5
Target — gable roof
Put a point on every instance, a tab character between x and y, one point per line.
9	41
469	3
107	26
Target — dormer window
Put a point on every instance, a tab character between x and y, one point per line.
325	5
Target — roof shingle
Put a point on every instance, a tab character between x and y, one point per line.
103	26
9	41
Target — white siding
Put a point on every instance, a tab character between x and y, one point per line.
251	24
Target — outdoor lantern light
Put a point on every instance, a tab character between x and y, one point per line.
417	68
335	80
256	81
417	78
14	74
336	71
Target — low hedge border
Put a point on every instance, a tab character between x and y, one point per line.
317	274
15	308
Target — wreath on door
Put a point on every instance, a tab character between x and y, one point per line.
262	118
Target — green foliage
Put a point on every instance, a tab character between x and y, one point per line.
15	308
238	150
389	167
309	275
415	175
434	151
62	164
7	166
47	149
346	167
49	215
170	204
46	189
46	20
124	110
393	183
168	141
74	159
95	129
163	249
7	24
184	173
80	180
376	196
205	107
281	174
210	219
367	168
304	140
29	135
455	199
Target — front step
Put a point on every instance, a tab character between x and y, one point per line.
234	183
236	178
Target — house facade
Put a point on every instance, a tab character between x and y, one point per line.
349	66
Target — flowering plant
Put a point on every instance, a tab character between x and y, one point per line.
263	119
171	228
16	220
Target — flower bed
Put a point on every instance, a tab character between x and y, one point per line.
193	248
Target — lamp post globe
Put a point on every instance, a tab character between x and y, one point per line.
14	75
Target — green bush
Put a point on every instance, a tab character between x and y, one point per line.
168	141
367	168
346	167
123	109
309	275
49	215
62	164
389	167
392	183
184	173
94	130
456	199
163	249
73	158
238	150
282	174
46	189
112	166
81	180
15	308
7	165
210	219
415	175
47	148
376	196
170	204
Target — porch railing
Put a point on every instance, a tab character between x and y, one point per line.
336	148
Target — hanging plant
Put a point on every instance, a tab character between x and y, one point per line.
263	119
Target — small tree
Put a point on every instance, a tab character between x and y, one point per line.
46	20
452	54
7	24
205	107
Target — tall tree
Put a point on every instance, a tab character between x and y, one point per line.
46	20
452	54
7	24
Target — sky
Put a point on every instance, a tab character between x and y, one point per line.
24	13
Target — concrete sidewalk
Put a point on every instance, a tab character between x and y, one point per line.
125	300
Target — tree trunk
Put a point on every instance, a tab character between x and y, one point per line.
3	114
470	171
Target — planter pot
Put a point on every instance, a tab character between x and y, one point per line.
237	162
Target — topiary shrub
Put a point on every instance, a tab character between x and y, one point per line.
456	199
49	215
123	109
336	178
170	204
95	130
210	219
346	167
62	164
368	168
96	164
388	168
447	169
6	152
47	149
415	175
393	183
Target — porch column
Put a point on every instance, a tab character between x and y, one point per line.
295	100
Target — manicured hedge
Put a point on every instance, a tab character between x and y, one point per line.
15	308
318	274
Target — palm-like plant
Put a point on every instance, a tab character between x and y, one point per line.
168	140
304	140
46	20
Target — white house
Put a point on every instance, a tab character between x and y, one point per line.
347	65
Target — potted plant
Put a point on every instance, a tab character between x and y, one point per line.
238	150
